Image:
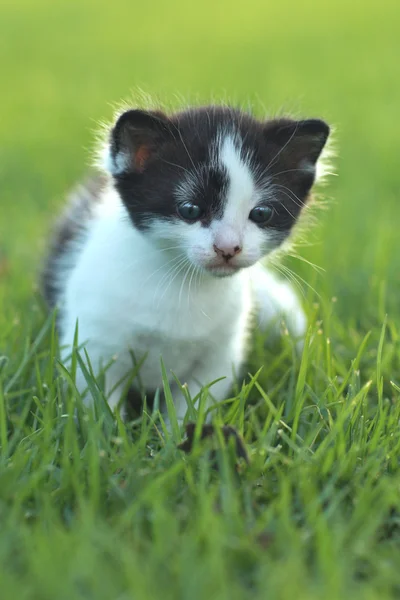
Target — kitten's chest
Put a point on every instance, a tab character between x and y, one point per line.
177	311
177	354
186	332
182	340
192	324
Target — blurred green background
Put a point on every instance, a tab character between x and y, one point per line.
64	63
118	524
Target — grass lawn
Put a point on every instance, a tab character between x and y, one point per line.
91	509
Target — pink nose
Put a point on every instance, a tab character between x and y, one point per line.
227	252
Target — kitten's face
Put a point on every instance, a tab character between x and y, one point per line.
214	184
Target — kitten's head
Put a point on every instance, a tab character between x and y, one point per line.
214	183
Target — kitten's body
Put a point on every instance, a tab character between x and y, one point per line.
138	278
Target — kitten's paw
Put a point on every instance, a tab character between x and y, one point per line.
278	305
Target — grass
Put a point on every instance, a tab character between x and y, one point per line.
90	508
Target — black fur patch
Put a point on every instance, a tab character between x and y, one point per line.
281	154
166	153
69	228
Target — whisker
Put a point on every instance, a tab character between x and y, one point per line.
162	267
197	279
175	165
286	171
299	202
185	147
317	268
182	258
273	160
199	276
182	265
167	276
138	260
190	282
289	277
288	211
189	268
299	278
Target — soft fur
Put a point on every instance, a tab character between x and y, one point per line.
139	277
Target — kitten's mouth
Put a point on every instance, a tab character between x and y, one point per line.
222	270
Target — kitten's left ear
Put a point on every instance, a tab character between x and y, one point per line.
299	142
135	139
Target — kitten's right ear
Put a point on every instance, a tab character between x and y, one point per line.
134	140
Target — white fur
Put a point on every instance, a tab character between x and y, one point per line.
234	228
151	292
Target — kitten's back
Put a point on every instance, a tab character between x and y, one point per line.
69	229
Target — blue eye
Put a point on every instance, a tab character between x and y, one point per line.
261	215
189	211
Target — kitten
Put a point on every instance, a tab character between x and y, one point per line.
160	254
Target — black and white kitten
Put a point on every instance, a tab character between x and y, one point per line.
161	254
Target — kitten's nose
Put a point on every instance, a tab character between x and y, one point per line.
227	252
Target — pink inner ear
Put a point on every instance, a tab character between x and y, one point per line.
141	156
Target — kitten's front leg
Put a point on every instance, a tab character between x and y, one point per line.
223	364
220	391
118	365
276	302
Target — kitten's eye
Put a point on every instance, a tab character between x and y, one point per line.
261	214
189	211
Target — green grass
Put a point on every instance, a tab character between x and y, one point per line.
92	509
